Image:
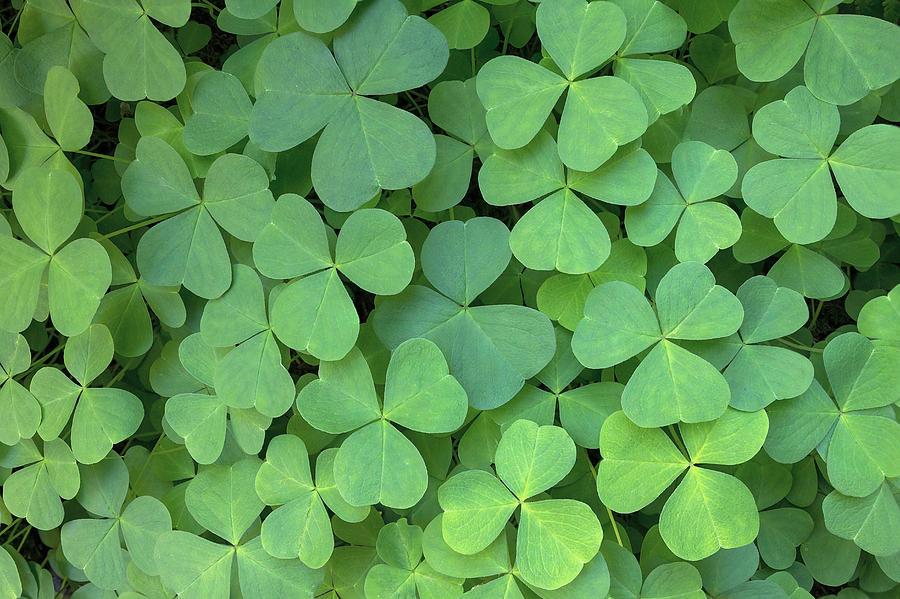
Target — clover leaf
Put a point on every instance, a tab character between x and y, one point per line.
803	129
556	536
48	205
770	37
187	247
561	232
377	464
849	425
101	416
497	335
43	477
22	412
93	545
195	567
305	88
371	251
760	374
709	509
671	384
704	228
403	572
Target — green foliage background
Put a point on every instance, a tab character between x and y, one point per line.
482	298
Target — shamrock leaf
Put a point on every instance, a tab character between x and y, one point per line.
709	509
377	464
880	317
221	112
704	227
123	310
561	232
497	334
371	251
556	537
850	425
845	54
43	477
101	416
22	412
871	522
252	374
139	61
803	204
454	106
300	525
519	95
48	205
760	374
403	572
194	567
305	88
93	545
671	384
188	248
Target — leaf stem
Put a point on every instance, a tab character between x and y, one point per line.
612	519
814	350
815	315
415	105
143	223
678	442
96	155
43	359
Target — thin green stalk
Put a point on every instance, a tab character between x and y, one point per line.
415	104
816	312
814	350
42	360
678	442
609	512
143	223
96	155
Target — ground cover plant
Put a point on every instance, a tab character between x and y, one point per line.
411	299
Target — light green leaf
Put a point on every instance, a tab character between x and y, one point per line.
671	384
476	508
372	251
103	417
420	394
862	374
158	181
560	233
600	114
868	176
708	510
518	95
638	464
556	538
356	155
463	259
800	126
221	114
194	567
377	464
294	243
579	35
200	420
530	458
864	449
346	383
69	118
604	338
732	438
871	522
223	499
315	315
652	27
187	248
78	276
464	24
48	205
236	193
321	16
144	66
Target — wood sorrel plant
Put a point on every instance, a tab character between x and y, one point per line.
495	299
